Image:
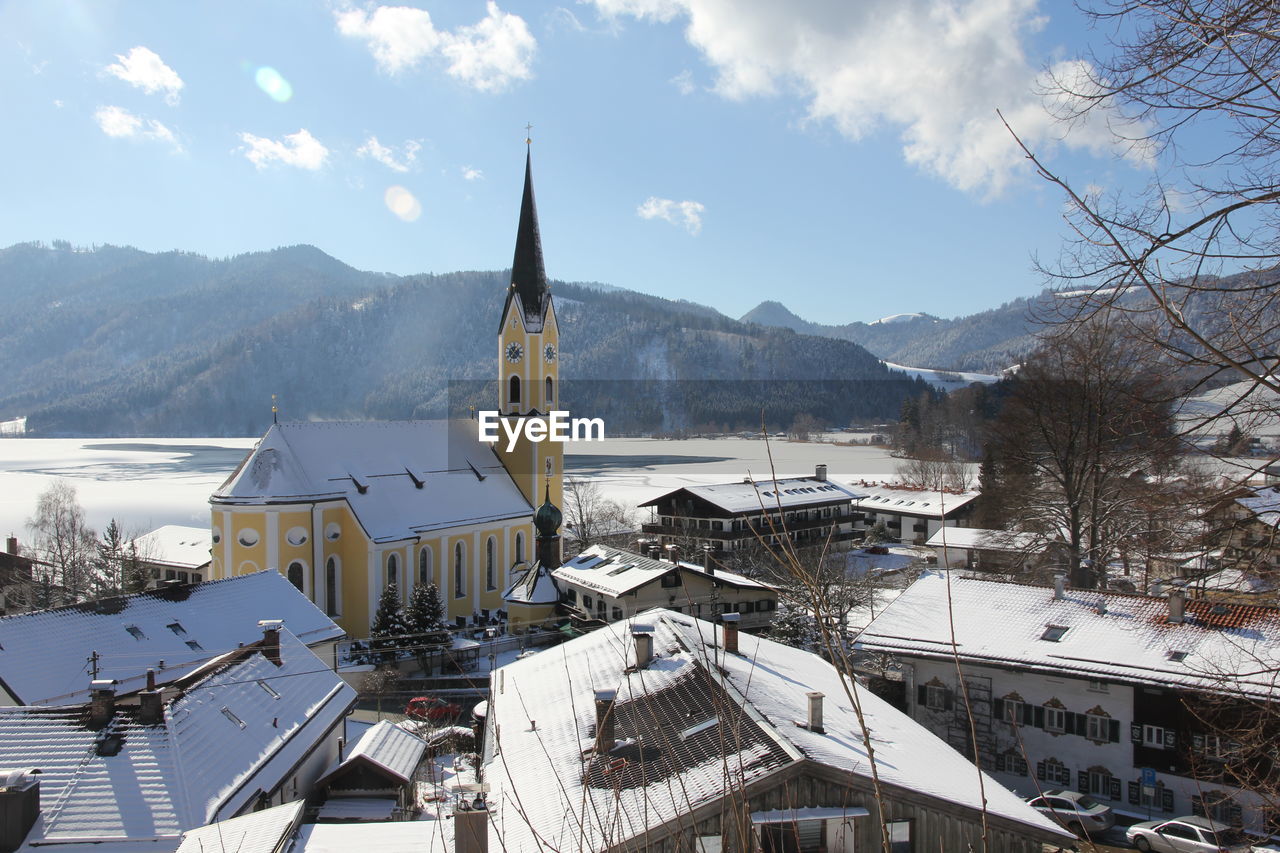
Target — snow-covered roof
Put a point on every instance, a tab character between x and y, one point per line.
1234	580
238	729
671	718
175	545
388	747
401	836
1264	504
752	496
907	500
43	654
616	572
400	478
532	586
1217	646
985	540
256	832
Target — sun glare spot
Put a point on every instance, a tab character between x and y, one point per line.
270	81
402	203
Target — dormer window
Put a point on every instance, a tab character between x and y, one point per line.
1053	633
135	632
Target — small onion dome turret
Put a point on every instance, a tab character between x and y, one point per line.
547	518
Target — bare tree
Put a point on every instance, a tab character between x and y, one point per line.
66	545
1187	265
591	516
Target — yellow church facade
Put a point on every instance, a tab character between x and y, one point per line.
346	509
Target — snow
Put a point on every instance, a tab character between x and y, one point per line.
769	494
256	832
987	540
896	499
998	622
176	545
536	769
391	837
895	318
388	746
947	380
618	572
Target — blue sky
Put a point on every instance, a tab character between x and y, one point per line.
844	158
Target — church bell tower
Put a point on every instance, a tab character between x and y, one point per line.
529	360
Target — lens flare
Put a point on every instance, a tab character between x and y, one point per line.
276	87
402	203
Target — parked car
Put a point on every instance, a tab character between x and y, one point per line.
1079	813
432	708
1198	834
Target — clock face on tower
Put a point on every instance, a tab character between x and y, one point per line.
549	353
515	352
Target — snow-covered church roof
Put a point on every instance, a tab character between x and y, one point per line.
533	586
400	478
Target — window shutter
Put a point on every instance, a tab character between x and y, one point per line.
1082	781
1113	731
1197	805
922	696
1166	799
1082	724
1135	792
1040	770
946	700
1135	732
1114	788
997	709
1028	715
1068	722
1039	716
1169	740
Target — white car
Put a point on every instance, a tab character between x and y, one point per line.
1079	813
1192	834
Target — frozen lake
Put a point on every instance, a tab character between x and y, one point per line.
148	482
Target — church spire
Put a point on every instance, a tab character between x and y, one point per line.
528	275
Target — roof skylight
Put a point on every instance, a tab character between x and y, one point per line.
1178	657
1053	633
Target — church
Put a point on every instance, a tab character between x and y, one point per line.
345	509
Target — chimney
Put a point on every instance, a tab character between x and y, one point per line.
11	545
815	712
730	639
471	825
673	553
644	648
605	738
820	473
1059	585
1177	605
102	702
19	806
271	639
150	708
151	679
707	565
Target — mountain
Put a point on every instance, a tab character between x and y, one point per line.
985	342
115	341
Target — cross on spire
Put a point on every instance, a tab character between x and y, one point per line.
528	138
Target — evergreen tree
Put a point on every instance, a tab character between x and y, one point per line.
795	626
388	629
108	566
424	622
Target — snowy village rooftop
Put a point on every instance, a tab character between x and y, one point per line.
1108	635
762	495
44	654
909	500
235	726
393	474
617	572
679	707
175	545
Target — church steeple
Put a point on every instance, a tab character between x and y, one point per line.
528	275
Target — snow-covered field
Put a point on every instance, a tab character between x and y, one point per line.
946	380
146	483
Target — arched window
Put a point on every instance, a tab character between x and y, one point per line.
331	586
459	571
513	392
295	573
520	546
393	570
551	391
488	563
425	559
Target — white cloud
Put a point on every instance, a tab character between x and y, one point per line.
934	70
143	68
299	149
685	213
375	150
683	82
470	174
488	55
119	123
